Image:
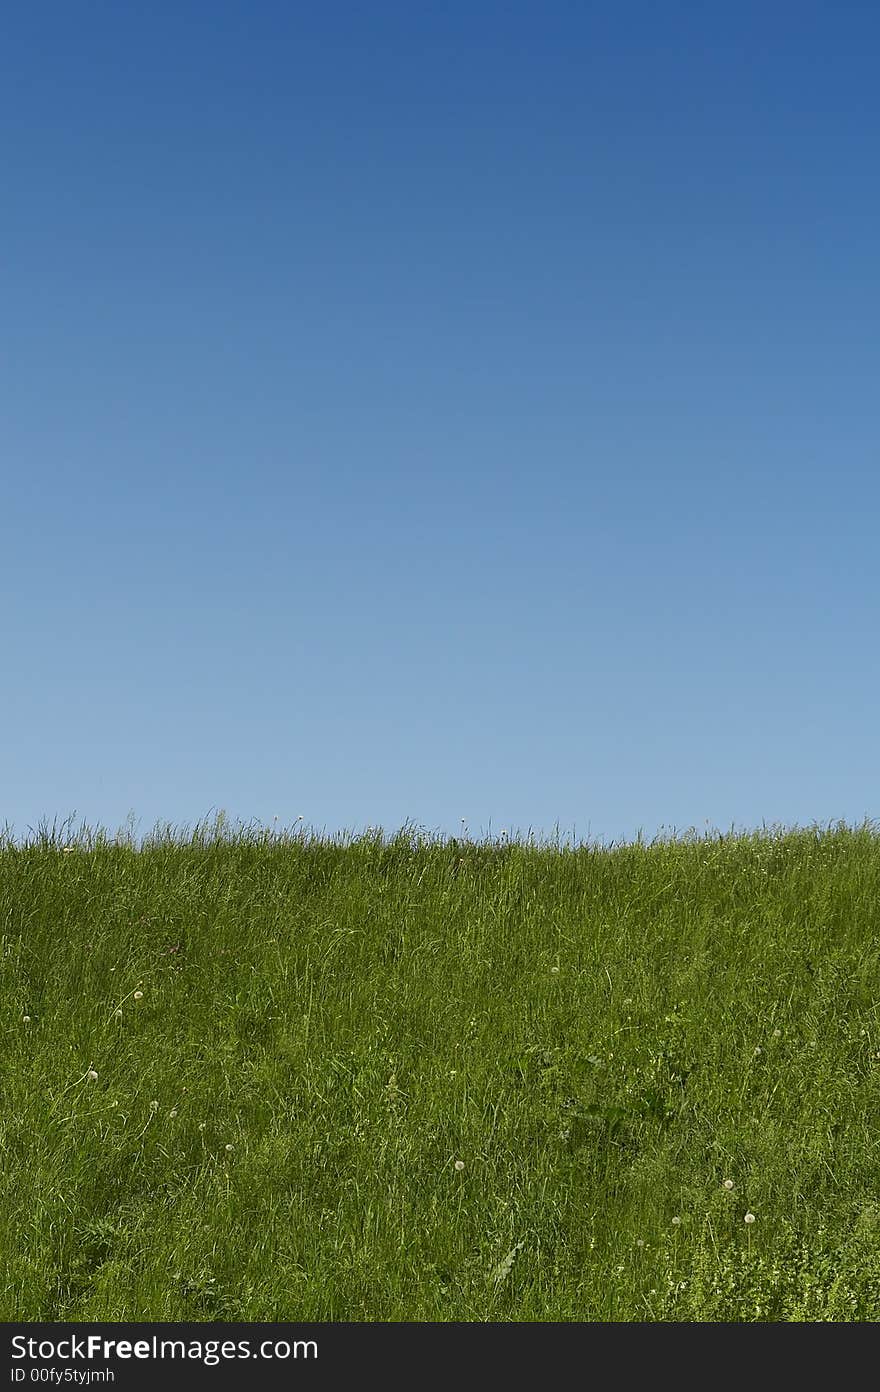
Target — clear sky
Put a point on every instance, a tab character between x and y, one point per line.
436	412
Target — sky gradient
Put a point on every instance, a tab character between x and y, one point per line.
436	413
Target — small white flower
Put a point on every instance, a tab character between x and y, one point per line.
25	1019
92	1076
728	1184
173	1112
230	1147
459	1164
138	995
676	1221
749	1218
554	969
154	1106
640	1242
777	1034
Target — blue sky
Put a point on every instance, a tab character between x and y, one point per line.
436	413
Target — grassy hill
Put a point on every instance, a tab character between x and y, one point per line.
260	1077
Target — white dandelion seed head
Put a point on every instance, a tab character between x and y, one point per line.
230	1146
675	1222
154	1106
749	1218
138	995
777	1034
459	1164
92	1076
728	1184
25	1019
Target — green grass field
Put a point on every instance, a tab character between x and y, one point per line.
289	1077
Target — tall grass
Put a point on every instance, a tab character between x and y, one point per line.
404	1078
